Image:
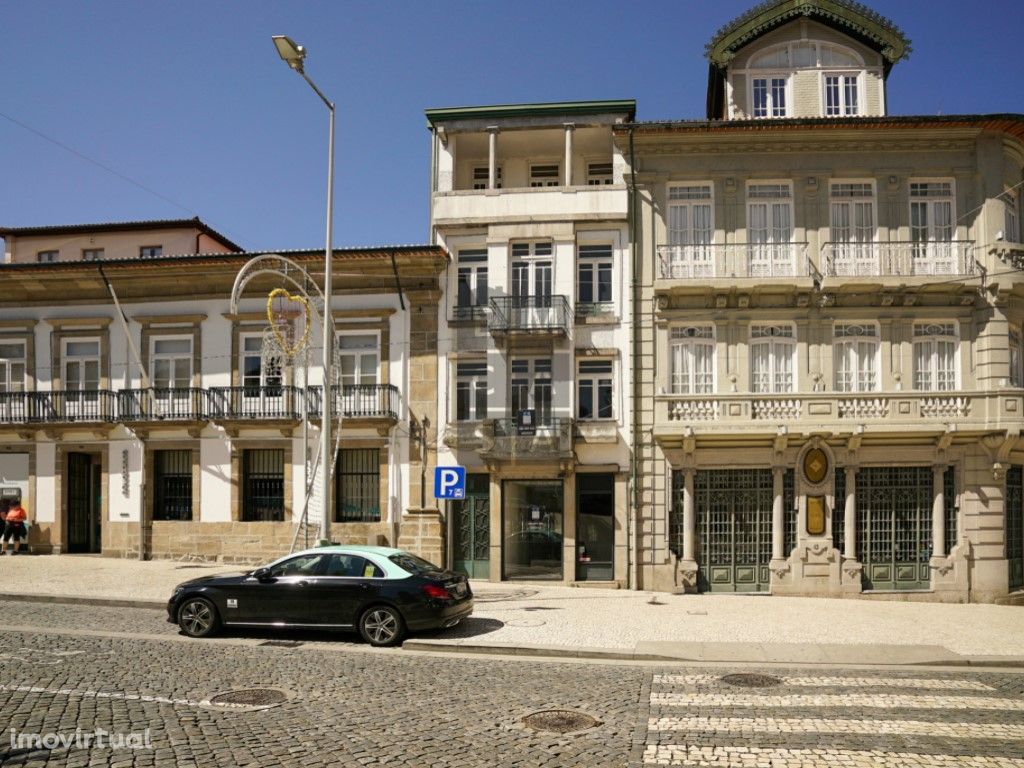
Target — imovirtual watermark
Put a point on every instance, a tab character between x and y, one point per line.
97	738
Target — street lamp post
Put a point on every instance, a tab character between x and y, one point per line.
294	55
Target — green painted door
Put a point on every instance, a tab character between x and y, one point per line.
734	529
82	507
894	526
471	524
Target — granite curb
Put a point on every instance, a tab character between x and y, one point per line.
110	602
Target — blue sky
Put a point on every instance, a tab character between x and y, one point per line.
190	99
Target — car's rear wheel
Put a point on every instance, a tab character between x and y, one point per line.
198	617
381	626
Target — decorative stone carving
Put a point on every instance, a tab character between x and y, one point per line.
863	408
780	568
771	409
944	407
694	410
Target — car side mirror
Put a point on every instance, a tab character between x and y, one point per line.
262	574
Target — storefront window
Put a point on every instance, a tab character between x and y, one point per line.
532	525
595	527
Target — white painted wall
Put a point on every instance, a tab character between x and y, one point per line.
215	478
46	485
14	474
123	507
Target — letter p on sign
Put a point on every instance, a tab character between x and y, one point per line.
449	482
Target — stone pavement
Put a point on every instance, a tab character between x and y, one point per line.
531	618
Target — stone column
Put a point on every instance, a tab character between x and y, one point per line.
778	527
492	157
938	511
567	175
850	515
689	519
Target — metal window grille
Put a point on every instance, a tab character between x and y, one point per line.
894	526
263	484
788	512
839	510
172	485
358	487
950	508
1015	526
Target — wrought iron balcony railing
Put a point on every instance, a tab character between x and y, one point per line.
15	407
898	259
357	401
87	405
756	260
162	404
254	402
530	314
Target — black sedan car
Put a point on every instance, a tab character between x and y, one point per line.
379	591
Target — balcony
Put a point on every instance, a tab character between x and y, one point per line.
706	263
73	406
530	316
898	259
482	206
504	440
357	401
893	412
266	402
464	435
162	404
15	407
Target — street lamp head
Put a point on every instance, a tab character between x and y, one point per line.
288	50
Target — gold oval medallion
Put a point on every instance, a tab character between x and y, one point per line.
815	465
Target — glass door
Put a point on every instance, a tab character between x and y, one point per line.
81	379
595	527
532	529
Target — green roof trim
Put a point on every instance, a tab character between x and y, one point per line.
627	106
848	16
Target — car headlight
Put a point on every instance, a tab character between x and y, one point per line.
177	592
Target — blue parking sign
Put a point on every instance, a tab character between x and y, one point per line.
449	482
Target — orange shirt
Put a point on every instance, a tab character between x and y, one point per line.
16	514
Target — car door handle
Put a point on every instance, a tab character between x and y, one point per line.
302	583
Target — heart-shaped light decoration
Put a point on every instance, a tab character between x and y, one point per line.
289	349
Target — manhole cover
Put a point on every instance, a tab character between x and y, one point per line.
751	680
560	721
281	643
249	697
495	597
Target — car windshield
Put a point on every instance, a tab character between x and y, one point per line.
413	564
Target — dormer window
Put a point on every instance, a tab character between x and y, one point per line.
841	96
769	96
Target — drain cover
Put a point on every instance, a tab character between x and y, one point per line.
560	721
751	680
249	697
281	643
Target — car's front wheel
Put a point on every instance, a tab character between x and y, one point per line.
382	626
198	617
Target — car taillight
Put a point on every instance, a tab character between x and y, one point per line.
434	591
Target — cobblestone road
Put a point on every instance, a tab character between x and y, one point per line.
64	667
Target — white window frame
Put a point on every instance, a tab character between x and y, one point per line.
781	343
597	380
172	358
844	75
534	379
855	254
1011	216
82	361
855	343
481	183
531	258
358	356
934	333
691	253
1016	377
92	254
600	179
930	202
147	251
545	181
474	268
598	263
683	343
473	382
268	378
774	256
8	365
770	107
50	256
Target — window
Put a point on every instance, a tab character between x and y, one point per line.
471	390
768	96
692	353
599	174
352	567
852	228
932	217
772	356
1011	216
770	229
690	231
935	356
92	254
594	389
545	175
855	357
301	565
263	485
12	366
594	274
1016	359
482	174
841	98
171	363
357	358
471	288
82	366
532	270
150	251
531	388
256	375
358	487
47	257
172	485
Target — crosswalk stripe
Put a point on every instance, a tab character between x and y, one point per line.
873	700
888	682
778	757
816	725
